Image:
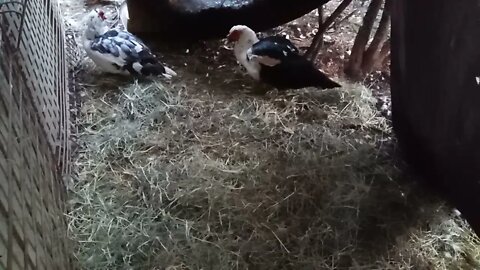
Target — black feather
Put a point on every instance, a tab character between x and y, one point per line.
150	64
275	47
110	33
134	51
294	71
283	42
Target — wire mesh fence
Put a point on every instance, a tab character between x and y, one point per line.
36	83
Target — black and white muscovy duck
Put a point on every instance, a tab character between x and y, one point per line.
276	61
120	52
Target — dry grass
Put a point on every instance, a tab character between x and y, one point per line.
170	177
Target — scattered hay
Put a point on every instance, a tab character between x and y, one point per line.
169	178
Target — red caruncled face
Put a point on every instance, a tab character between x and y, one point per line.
101	14
234	36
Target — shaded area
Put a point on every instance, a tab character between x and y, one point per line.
190	20
435	95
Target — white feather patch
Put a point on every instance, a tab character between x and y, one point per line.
170	72
137	67
261	59
138	48
167	76
267	61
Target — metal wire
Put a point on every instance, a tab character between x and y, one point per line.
22	22
35	72
4	3
22	14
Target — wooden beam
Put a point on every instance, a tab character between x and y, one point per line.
436	96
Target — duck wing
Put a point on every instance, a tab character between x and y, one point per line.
127	52
296	72
271	51
282	42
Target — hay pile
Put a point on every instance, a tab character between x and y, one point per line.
172	177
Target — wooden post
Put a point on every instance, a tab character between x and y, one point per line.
436	96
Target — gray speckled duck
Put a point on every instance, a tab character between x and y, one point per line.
119	52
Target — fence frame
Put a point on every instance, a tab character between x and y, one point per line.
36	82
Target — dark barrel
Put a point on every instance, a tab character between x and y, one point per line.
189	20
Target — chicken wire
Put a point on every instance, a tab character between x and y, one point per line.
36	86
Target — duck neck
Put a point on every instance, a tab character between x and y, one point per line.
241	47
94	31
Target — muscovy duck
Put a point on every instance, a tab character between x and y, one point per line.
276	61
119	52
